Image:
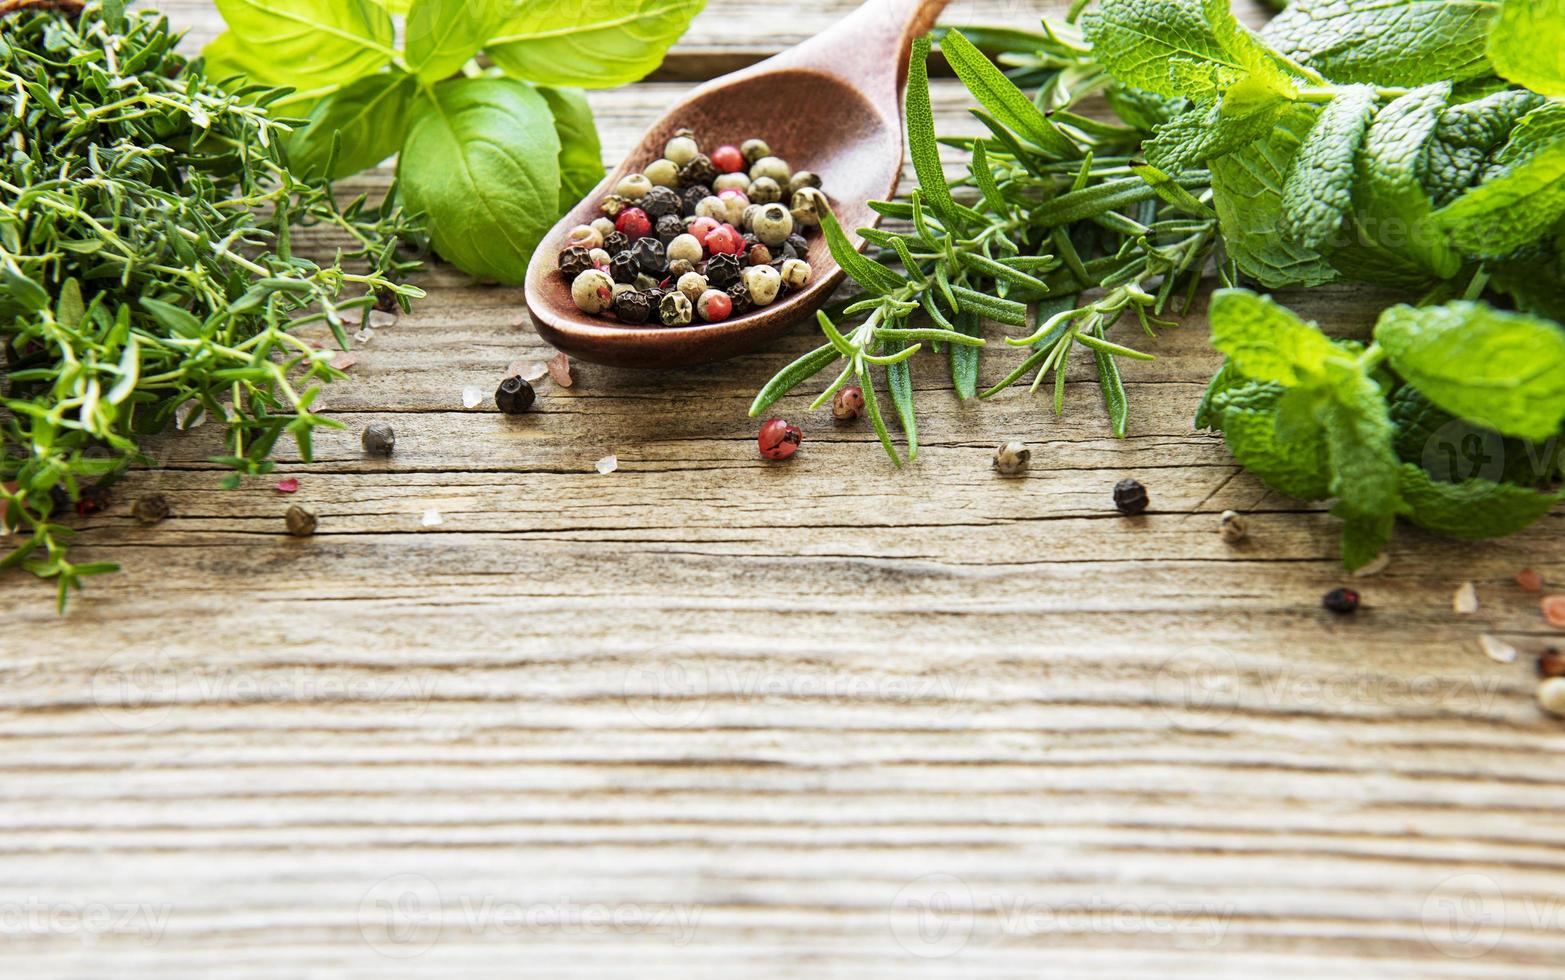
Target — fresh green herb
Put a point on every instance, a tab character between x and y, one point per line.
490	157
148	274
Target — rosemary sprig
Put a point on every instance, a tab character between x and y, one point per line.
149	277
1055	208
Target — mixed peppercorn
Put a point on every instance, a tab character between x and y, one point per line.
696	236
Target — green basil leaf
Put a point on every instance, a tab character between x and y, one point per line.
597	45
441	35
371	115
581	154
1527	44
306	44
1505	371
481	162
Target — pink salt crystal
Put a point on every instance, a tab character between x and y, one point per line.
1554	610
560	370
1529	580
343	360
290	485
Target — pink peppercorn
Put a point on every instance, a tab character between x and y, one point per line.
714	305
724	239
702	227
779	439
728	159
633	223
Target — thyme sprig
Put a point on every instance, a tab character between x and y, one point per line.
146	223
1056	217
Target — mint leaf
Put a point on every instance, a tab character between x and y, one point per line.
1161	46
1359	444
1505	371
371	115
482	163
1142	109
1319	191
589	45
1248	198
1454	450
1391	206
1293	461
1207	131
1267	342
1465	138
1527	44
1386	42
1364	536
1259	60
1471	509
1522	194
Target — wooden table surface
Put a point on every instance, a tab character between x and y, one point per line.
712	717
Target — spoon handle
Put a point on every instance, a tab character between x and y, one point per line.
869	48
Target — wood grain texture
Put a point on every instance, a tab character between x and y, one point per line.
711	717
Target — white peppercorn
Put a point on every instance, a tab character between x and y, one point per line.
603	226
731	182
773	224
593	291
763	283
692	284
1012	458
675	309
765	190
1551	696
584	236
734	203
1234	527
796	273
612	205
633	187
747	219
680	267
807	205
686	247
712	207
803	179
600	256
663	173
773	167
754	149
681	150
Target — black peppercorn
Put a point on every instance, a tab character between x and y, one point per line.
660	202
670	227
800	245
1130	497
574	261
698	171
385	301
301	522
651	255
623	267
740	294
1551	663
723	269
693	196
1341	601
515	395
151	509
615	242
379	439
633	307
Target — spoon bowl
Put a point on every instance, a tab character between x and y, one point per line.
832	105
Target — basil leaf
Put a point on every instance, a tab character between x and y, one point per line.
598	45
581	154
1505	371
1527	44
482	163
371	115
441	35
306	44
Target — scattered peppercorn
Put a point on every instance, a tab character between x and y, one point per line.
714	305
763	282
633	223
1341	601
675	310
1234	527
1551	696
693	196
1554	610
1551	663
1530	580
379	439
300	521
779	439
1130	497
515	395
758	254
662	202
669	227
754	149
1012	458
727	159
151	509
93	500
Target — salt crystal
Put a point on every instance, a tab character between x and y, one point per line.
1496	649
380	319
290	485
520	321
1375	567
1530	580
343	360
608	464
364	336
559	368
472	396
1554	610
432	518
1465	601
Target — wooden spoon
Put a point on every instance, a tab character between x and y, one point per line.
832	105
